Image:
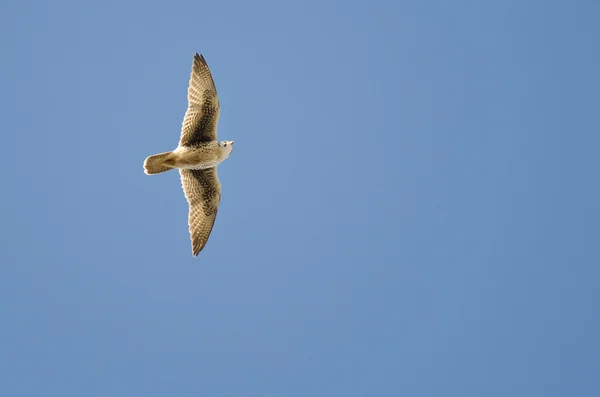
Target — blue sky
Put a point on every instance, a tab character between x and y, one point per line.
410	209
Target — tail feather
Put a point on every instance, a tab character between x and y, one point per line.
158	163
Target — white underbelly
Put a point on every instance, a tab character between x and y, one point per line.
196	158
199	158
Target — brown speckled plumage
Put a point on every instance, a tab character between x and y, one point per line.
197	155
200	121
203	192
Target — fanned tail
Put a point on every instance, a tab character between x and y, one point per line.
158	163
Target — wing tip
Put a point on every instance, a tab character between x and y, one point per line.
200	59
196	250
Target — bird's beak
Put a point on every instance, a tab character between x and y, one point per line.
231	142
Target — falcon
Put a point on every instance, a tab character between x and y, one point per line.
197	155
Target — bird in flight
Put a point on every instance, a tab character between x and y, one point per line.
197	155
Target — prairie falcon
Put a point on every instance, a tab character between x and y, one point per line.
197	154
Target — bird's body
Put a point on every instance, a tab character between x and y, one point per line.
197	155
204	155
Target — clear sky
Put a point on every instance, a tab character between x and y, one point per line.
410	209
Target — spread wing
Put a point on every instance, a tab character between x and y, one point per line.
202	115
203	192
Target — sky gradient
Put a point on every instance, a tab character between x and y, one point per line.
410	208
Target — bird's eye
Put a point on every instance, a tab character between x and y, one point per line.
225	143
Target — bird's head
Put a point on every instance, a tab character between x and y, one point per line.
226	147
